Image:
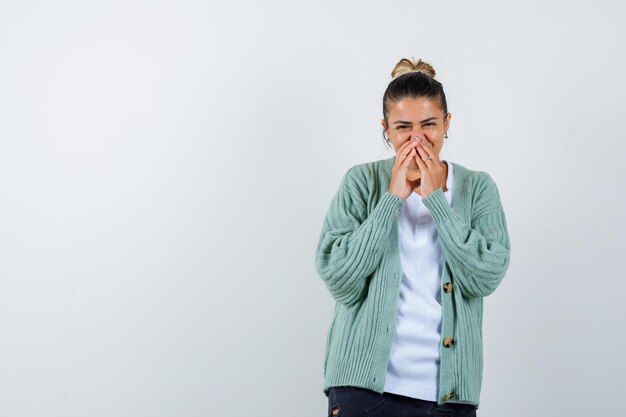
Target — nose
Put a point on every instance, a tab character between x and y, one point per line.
417	131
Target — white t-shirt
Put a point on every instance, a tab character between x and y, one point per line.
413	369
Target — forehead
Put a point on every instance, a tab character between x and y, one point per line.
418	108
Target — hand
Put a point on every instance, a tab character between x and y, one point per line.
433	172
399	184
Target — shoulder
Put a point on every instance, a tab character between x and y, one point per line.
481	189
480	180
363	174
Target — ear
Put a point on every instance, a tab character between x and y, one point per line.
446	122
384	125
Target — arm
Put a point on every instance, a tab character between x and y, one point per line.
351	243
477	253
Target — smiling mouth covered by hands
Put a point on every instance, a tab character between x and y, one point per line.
433	171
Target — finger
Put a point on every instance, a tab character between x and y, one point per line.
404	164
407	160
406	147
422	153
404	151
428	147
421	163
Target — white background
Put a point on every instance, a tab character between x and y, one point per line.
165	168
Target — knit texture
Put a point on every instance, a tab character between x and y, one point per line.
358	259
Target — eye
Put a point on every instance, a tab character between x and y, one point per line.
429	124
402	127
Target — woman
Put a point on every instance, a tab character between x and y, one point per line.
409	247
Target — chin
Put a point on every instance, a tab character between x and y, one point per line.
413	173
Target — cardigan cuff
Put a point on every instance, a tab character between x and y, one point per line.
438	206
390	203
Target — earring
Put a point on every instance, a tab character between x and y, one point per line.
446	136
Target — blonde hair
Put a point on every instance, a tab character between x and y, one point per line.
405	66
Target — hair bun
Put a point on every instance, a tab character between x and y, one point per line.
405	66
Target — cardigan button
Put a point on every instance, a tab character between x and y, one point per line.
448	396
448	341
447	287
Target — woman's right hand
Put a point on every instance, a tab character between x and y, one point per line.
399	184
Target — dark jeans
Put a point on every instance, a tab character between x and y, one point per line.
361	402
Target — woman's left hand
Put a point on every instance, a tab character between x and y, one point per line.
433	173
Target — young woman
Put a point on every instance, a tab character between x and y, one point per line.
409	247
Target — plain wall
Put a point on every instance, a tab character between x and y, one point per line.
165	167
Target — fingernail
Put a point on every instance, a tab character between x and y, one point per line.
414	138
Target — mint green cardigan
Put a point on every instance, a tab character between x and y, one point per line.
358	259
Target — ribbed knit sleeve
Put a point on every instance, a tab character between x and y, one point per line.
478	254
350	245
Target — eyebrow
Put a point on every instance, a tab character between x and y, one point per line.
408	123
